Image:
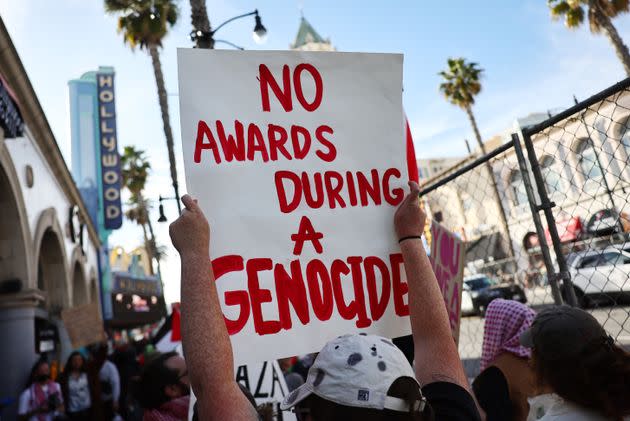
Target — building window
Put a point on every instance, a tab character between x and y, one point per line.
587	160
519	195
550	175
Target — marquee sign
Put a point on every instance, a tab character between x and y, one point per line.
110	160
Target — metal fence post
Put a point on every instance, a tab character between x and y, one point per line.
546	206
542	241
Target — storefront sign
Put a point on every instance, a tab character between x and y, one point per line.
10	118
110	160
131	285
46	336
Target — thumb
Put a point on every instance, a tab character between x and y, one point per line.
414	187
190	203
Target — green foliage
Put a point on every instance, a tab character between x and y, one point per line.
461	82
135	169
574	11
143	22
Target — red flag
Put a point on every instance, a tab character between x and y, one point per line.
412	165
176	331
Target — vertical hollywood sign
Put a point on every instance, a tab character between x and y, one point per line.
110	160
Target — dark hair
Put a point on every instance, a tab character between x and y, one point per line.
154	377
68	367
31	378
405	388
595	378
65	375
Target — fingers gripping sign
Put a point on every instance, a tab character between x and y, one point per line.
409	218
191	232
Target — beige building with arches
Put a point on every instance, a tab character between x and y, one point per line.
48	245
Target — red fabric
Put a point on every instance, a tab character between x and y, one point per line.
40	398
505	321
569	229
173	410
412	165
176	332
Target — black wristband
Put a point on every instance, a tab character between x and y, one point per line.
410	237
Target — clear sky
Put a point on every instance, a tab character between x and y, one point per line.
531	64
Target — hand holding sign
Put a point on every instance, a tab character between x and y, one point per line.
190	233
409	218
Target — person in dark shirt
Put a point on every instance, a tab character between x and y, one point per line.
395	395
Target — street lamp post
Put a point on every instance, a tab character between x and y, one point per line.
205	39
162	217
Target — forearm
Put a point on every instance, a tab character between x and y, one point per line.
206	343
436	357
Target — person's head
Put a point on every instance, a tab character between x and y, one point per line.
505	321
574	357
40	373
75	362
163	378
359	377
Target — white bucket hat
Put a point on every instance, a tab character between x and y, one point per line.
357	370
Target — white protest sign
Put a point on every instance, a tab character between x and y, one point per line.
298	161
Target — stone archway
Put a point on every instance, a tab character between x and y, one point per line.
94	295
52	276
14	234
79	286
79	278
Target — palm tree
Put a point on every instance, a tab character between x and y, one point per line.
200	22
461	83
135	171
145	23
600	14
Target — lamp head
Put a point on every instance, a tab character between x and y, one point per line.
260	32
162	217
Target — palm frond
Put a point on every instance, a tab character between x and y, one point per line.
461	82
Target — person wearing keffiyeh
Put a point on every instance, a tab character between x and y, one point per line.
506	379
42	400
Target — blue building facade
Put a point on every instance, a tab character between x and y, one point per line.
96	163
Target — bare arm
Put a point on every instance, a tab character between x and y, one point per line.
206	343
436	357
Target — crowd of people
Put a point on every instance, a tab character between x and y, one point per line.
559	364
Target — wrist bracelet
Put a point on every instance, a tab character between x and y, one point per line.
410	237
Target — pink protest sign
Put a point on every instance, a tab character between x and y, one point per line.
447	260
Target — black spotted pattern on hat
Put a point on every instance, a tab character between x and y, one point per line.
355	358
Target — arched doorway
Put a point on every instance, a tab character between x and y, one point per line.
51	272
94	296
13	257
79	287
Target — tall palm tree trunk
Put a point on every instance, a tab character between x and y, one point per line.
611	33
493	182
168	133
200	22
153	245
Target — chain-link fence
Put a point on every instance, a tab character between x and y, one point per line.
545	216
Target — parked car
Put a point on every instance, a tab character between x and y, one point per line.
600	274
468	309
482	290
